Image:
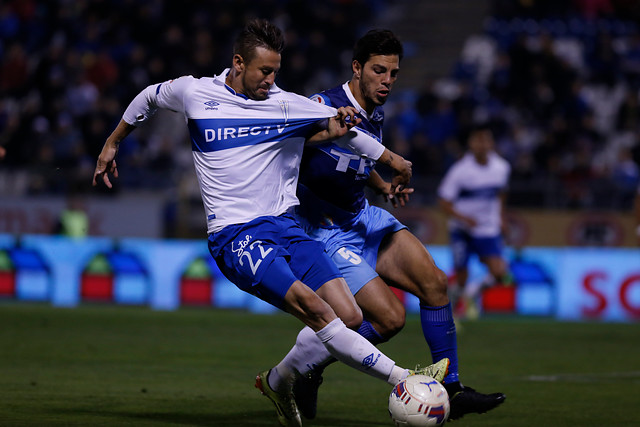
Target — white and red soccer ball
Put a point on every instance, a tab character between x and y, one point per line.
419	400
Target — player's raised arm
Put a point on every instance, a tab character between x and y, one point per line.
401	169
107	159
168	95
344	133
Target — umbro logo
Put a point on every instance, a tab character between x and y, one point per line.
211	105
369	361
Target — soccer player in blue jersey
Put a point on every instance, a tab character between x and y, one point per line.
371	248
247	140
472	195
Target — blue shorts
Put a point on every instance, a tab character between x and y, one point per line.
265	256
463	245
354	246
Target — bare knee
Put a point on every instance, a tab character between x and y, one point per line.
394	323
304	304
320	313
441	283
352	318
433	291
336	293
317	311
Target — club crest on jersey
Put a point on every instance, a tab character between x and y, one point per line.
317	98
284	106
211	105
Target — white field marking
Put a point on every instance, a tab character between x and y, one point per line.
585	377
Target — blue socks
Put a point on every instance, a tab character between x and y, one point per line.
440	333
367	331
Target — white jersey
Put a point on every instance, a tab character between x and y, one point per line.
474	190
246	152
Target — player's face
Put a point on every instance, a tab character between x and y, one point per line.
377	77
481	144
260	73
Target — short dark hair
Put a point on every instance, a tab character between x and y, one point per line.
475	127
377	42
481	126
258	33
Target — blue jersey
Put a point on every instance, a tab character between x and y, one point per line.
332	178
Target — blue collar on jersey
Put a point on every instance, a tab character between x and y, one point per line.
229	88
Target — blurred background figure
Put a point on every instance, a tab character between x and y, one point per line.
472	195
73	220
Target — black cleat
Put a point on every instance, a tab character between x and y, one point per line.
305	392
465	400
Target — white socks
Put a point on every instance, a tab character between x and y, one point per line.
335	340
307	353
354	350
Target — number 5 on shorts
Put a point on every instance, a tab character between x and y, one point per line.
350	256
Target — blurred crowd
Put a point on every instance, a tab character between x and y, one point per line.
69	68
558	80
560	83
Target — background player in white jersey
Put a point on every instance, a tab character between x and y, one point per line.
472	195
371	247
247	139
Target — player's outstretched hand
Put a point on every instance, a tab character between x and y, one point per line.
336	126
399	197
106	165
401	176
107	159
342	122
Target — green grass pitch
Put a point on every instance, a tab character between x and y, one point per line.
108	366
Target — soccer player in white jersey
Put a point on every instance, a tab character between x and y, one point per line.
472	195
371	248
247	139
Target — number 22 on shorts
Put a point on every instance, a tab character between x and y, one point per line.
247	255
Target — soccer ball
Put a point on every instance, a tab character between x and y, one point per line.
419	400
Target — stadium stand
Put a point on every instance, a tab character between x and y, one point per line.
559	81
